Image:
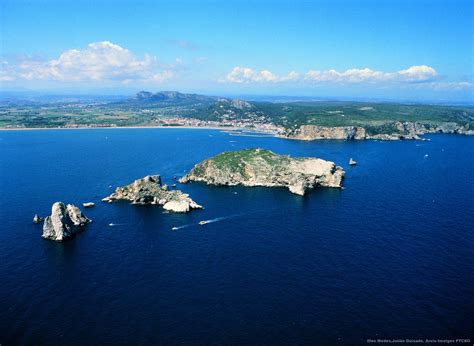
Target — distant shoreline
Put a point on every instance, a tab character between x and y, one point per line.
232	130
224	128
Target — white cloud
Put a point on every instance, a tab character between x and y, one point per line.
420	73
247	75
354	75
99	61
291	76
413	74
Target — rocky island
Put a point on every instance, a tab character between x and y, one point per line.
64	222
148	190
260	167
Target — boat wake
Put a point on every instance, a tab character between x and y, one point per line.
204	222
217	219
183	226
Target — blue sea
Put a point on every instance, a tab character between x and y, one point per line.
389	256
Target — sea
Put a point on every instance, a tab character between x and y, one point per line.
388	257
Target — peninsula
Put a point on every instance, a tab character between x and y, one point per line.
260	167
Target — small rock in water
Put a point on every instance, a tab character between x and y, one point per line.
37	219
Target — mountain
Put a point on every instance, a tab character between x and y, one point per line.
170	97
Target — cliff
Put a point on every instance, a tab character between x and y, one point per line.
386	131
259	167
148	190
313	132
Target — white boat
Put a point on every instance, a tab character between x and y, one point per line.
88	204
352	162
174	229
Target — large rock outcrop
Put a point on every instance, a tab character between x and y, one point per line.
313	132
452	128
63	222
259	167
148	190
390	130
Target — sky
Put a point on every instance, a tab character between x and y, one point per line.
408	50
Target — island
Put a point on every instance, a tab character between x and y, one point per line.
64	222
149	190
260	167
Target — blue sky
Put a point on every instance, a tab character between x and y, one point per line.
388	49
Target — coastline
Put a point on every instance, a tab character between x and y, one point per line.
237	131
225	128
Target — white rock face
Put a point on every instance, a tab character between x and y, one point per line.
177	206
64	222
259	167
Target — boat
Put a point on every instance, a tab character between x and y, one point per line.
174	228
352	162
174	185
88	204
202	222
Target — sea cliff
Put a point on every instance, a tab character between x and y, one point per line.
387	131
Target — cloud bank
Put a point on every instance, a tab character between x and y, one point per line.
99	61
108	62
420	74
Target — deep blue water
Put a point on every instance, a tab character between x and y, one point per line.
390	256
